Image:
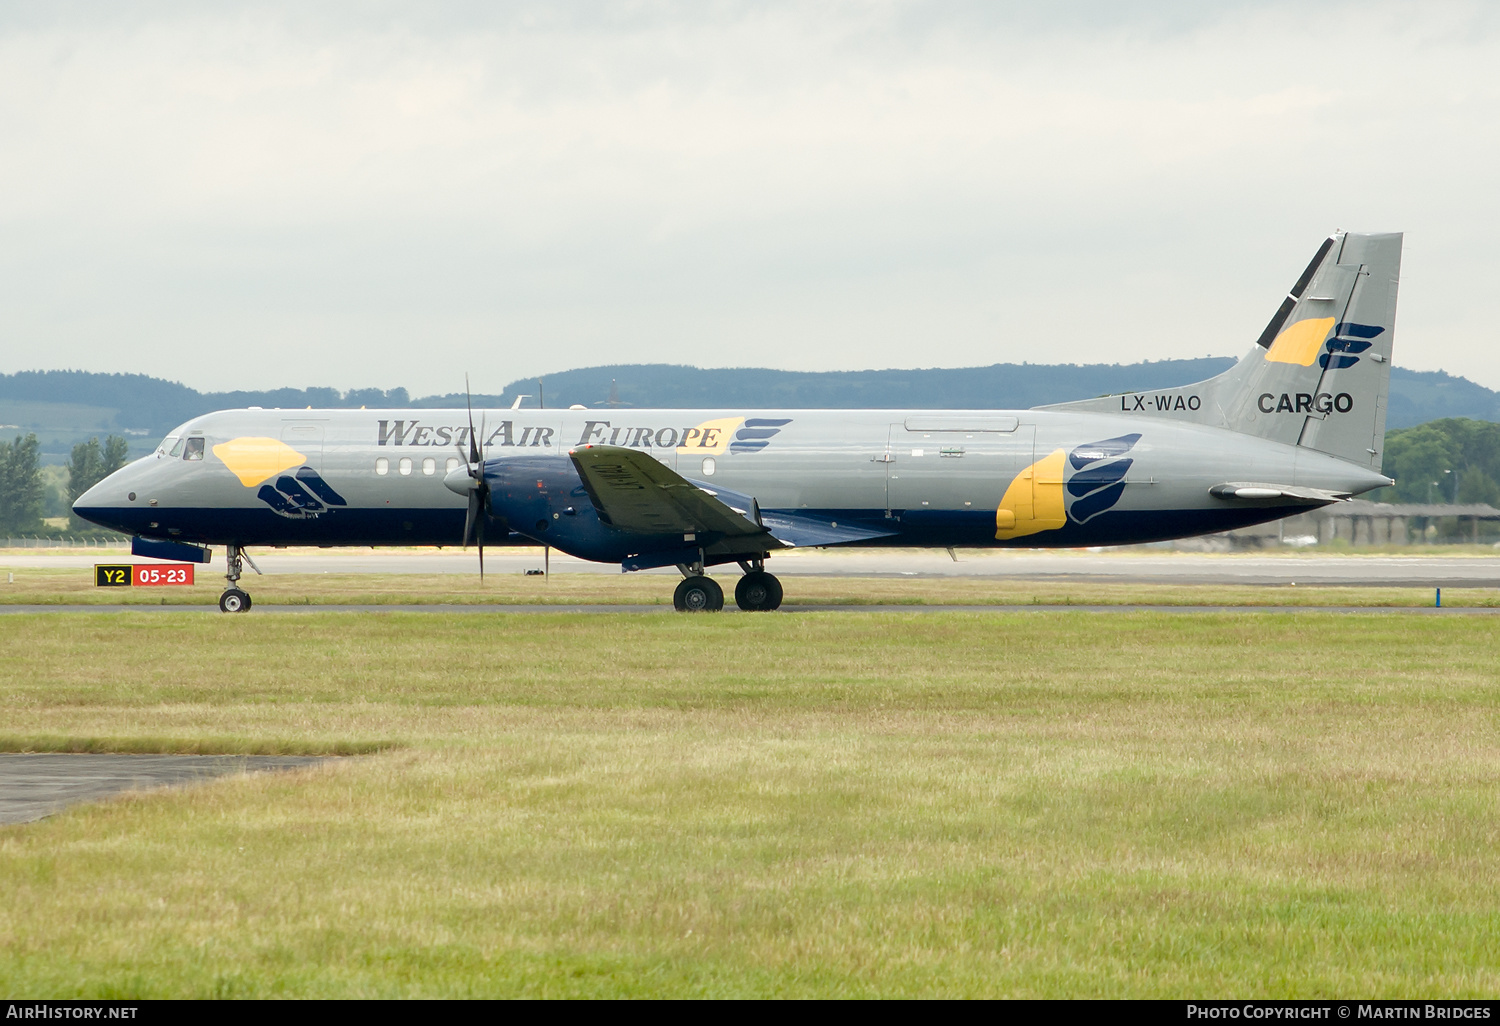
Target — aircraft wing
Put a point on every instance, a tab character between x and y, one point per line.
801	530
635	492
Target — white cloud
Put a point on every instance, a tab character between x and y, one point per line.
258	195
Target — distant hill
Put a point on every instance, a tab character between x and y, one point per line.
64	407
1001	386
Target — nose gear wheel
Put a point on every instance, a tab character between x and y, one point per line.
235	599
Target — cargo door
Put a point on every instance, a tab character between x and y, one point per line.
305	436
954	462
302	490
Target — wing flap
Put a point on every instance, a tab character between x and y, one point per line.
805	531
635	492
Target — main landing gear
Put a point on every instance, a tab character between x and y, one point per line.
234	599
757	591
698	594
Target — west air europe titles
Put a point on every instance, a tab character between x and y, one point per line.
507	433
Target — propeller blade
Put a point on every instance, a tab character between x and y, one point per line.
479	537
473	442
469	520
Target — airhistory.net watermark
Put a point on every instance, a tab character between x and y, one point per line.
49	1010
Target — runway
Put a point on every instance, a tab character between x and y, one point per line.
497	609
1121	566
33	786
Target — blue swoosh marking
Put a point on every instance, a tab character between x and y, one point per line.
1086	509
322	489
1098	476
271	497
1093	452
297	494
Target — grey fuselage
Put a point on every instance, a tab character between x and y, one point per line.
920	477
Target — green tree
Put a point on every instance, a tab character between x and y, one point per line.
1442	460
20	486
1475	485
90	464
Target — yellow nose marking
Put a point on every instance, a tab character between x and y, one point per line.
1299	343
252	460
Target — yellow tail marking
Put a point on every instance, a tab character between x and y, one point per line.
1299	342
1034	501
252	460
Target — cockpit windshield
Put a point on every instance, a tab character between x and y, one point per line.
168	443
194	449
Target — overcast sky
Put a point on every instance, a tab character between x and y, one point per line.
380	194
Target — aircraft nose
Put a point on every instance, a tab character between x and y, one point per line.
110	502
105	493
458	480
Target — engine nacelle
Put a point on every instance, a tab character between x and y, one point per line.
543	498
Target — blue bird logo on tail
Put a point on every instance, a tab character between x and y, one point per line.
1348	339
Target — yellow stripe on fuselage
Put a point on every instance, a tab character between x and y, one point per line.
1034	501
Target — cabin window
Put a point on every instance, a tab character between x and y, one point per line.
193	450
451	465
405	466
382	466
709	466
429	466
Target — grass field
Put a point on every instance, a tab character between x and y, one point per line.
1030	804
76	587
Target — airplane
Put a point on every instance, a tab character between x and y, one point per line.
1297	423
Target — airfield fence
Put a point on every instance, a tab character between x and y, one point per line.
68	542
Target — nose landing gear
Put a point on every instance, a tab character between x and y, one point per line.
234	599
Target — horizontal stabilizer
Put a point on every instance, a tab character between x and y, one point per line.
1255	493
805	531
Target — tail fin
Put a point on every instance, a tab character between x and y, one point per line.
1319	375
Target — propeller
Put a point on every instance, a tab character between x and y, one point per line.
479	490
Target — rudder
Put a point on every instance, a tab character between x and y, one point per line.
1319	375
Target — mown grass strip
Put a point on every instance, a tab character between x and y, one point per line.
892	804
147	745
